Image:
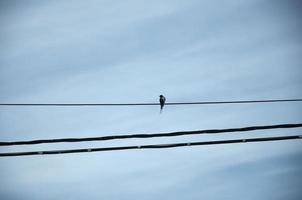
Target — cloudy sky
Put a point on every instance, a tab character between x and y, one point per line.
102	51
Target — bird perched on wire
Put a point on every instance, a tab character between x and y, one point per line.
162	101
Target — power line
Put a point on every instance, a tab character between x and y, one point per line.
153	104
171	134
154	146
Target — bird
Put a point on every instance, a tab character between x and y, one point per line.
162	101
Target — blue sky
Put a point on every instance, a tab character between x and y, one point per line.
132	51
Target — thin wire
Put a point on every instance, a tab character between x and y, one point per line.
154	146
152	104
171	134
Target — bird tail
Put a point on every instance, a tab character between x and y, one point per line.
161	108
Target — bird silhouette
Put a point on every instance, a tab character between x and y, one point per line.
162	101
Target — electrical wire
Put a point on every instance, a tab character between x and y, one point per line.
171	134
153	104
154	146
